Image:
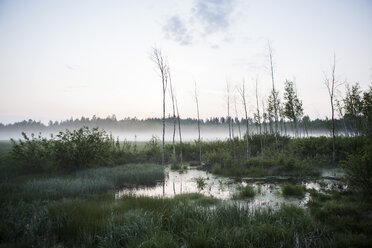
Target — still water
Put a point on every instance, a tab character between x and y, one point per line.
269	189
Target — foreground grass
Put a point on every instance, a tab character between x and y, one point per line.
153	222
98	219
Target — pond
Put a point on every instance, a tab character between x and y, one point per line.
200	181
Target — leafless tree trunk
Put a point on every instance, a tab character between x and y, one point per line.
174	112
179	131
242	94
264	117
274	95
237	118
197	109
228	108
231	127
332	85
157	57
259	116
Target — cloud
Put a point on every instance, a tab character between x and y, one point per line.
206	17
176	29
213	14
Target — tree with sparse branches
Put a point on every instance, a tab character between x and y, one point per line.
332	84
258	116
197	110
243	95
172	94
274	95
179	130
158	59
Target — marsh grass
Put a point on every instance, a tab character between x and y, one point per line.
131	174
186	220
153	222
247	191
289	189
94	181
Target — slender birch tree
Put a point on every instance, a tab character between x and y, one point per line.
258	116
274	94
179	129
243	95
197	110
331	84
174	113
158	59
237	118
228	108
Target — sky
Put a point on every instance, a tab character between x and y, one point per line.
62	59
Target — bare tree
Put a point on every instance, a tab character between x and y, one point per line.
242	94
197	110
229	119
174	113
332	85
274	94
258	116
237	118
228	108
264	118
179	130
162	65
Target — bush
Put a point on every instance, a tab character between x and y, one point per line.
78	149
82	148
32	154
358	168
152	150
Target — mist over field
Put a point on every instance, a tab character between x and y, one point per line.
136	130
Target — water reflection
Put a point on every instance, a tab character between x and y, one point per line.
198	181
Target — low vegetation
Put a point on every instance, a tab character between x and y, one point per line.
289	189
247	191
49	201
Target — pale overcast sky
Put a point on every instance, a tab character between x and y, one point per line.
62	59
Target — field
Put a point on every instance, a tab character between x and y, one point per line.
55	205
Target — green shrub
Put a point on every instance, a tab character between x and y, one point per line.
82	148
32	154
152	150
358	168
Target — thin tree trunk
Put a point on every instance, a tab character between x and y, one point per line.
228	109
331	86
274	96
237	118
197	109
174	113
179	131
258	115
157	57
242	93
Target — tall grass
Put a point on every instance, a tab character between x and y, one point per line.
150	222
93	181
